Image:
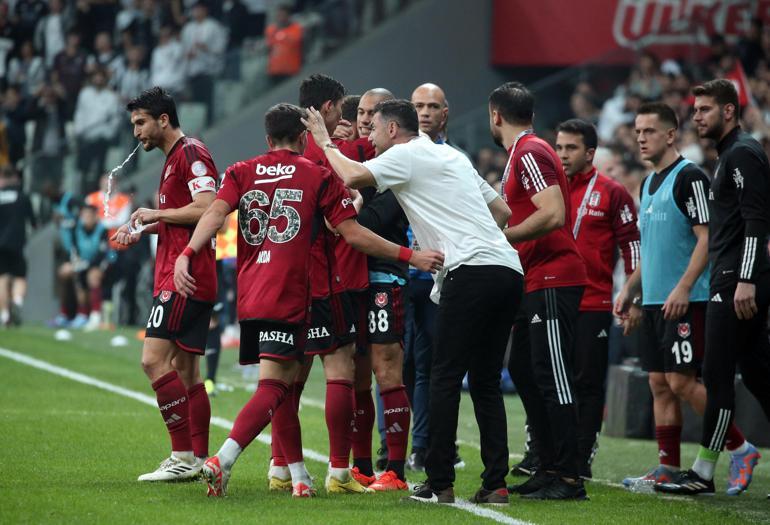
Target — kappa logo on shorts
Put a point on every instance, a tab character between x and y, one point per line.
165	295
683	329
381	299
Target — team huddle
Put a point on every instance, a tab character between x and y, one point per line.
325	218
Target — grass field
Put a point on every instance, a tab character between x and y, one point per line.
71	453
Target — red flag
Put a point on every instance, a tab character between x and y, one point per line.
738	77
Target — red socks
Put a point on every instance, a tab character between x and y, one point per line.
287	434
734	437
339	420
95	298
396	410
364	423
172	401
200	416
258	412
669	439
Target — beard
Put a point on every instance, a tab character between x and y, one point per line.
715	132
497	137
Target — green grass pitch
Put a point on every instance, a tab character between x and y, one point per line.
71	453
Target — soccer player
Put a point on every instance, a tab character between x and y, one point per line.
478	293
282	200
603	223
540	228
674	285
178	325
739	288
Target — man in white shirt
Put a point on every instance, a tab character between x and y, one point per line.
453	210
164	64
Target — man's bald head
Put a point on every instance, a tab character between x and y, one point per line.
432	110
366	106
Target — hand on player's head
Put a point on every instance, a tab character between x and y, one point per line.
316	126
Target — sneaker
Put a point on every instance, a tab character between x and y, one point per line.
537	481
300	490
425	494
560	489
527	466
659	474
382	458
60	321
79	321
211	387
173	469
14	315
278	479
491	497
388	481
216	477
687	483
741	470
416	460
362	478
94	322
350	486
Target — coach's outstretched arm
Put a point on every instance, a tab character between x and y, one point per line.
354	174
364	240
208	225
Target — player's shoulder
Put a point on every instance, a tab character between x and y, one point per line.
535	148
609	184
691	172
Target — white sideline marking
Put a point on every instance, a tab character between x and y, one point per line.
218	421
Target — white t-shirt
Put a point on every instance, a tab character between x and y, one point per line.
445	201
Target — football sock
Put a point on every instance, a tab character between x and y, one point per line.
186	456
172	401
705	463
299	473
286	431
742	449
342	474
259	410
734	438
362	435
95	299
397	466
200	416
396	410
229	453
669	440
339	420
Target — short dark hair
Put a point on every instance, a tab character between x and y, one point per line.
401	111
156	101
317	89
514	102
581	127
283	122
663	111
350	107
721	89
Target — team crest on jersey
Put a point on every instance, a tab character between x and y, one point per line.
692	210
524	181
625	214
683	329
738	178
594	199
198	168
381	299
165	295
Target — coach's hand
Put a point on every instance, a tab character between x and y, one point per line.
631	319
316	126
184	282
745	301
344	130
124	236
427	260
677	303
145	216
622	304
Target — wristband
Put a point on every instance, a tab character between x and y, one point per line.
188	252
404	254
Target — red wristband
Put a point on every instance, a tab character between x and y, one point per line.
188	252
404	254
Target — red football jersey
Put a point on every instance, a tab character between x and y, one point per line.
189	170
282	200
553	260
608	223
351	264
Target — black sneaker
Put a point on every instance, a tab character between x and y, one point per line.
559	489
425	494
491	497
382	458
416	460
537	481
687	483
527	466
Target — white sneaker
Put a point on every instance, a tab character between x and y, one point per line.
173	469
94	322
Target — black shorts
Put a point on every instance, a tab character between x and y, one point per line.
185	321
270	339
13	263
332	324
673	346
360	300
385	314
